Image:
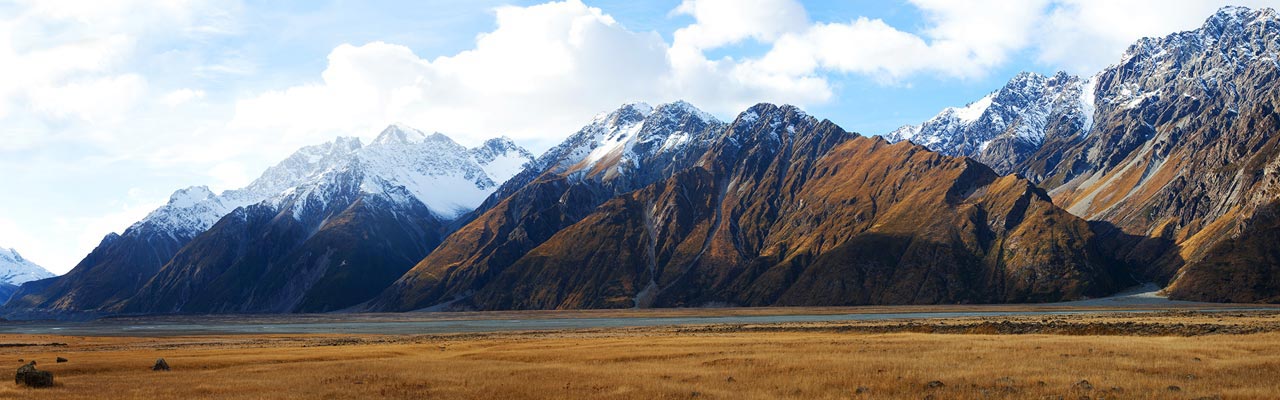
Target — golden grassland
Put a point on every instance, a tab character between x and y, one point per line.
1230	355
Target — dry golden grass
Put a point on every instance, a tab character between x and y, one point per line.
819	360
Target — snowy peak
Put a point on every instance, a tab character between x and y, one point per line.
446	177
190	196
770	122
1005	126
399	134
1238	36
1233	41
625	115
971	112
194	210
501	158
1235	18
498	147
402	163
15	270
626	139
681	108
905	132
304	165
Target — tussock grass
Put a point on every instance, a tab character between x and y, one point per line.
819	361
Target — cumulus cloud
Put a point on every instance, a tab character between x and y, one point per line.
542	67
963	39
1084	36
544	71
182	96
721	22
68	65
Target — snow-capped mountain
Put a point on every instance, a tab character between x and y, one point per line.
623	149
406	164
359	221
1006	126
15	270
626	139
615	153
400	157
430	178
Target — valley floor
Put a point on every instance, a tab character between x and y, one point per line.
1161	355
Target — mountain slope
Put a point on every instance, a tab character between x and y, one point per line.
783	209
615	153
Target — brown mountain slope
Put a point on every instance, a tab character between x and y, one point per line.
1184	148
561	188
788	210
1242	269
1176	149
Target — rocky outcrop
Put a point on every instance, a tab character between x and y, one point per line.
29	376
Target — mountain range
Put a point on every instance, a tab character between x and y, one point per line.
778	208
329	224
1164	167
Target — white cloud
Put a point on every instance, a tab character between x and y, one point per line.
76	101
963	39
1084	36
539	75
979	34
181	96
94	100
70	67
722	22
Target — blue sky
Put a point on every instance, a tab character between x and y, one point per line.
108	106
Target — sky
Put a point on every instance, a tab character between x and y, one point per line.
108	106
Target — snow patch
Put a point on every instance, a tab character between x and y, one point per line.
973	111
1088	106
